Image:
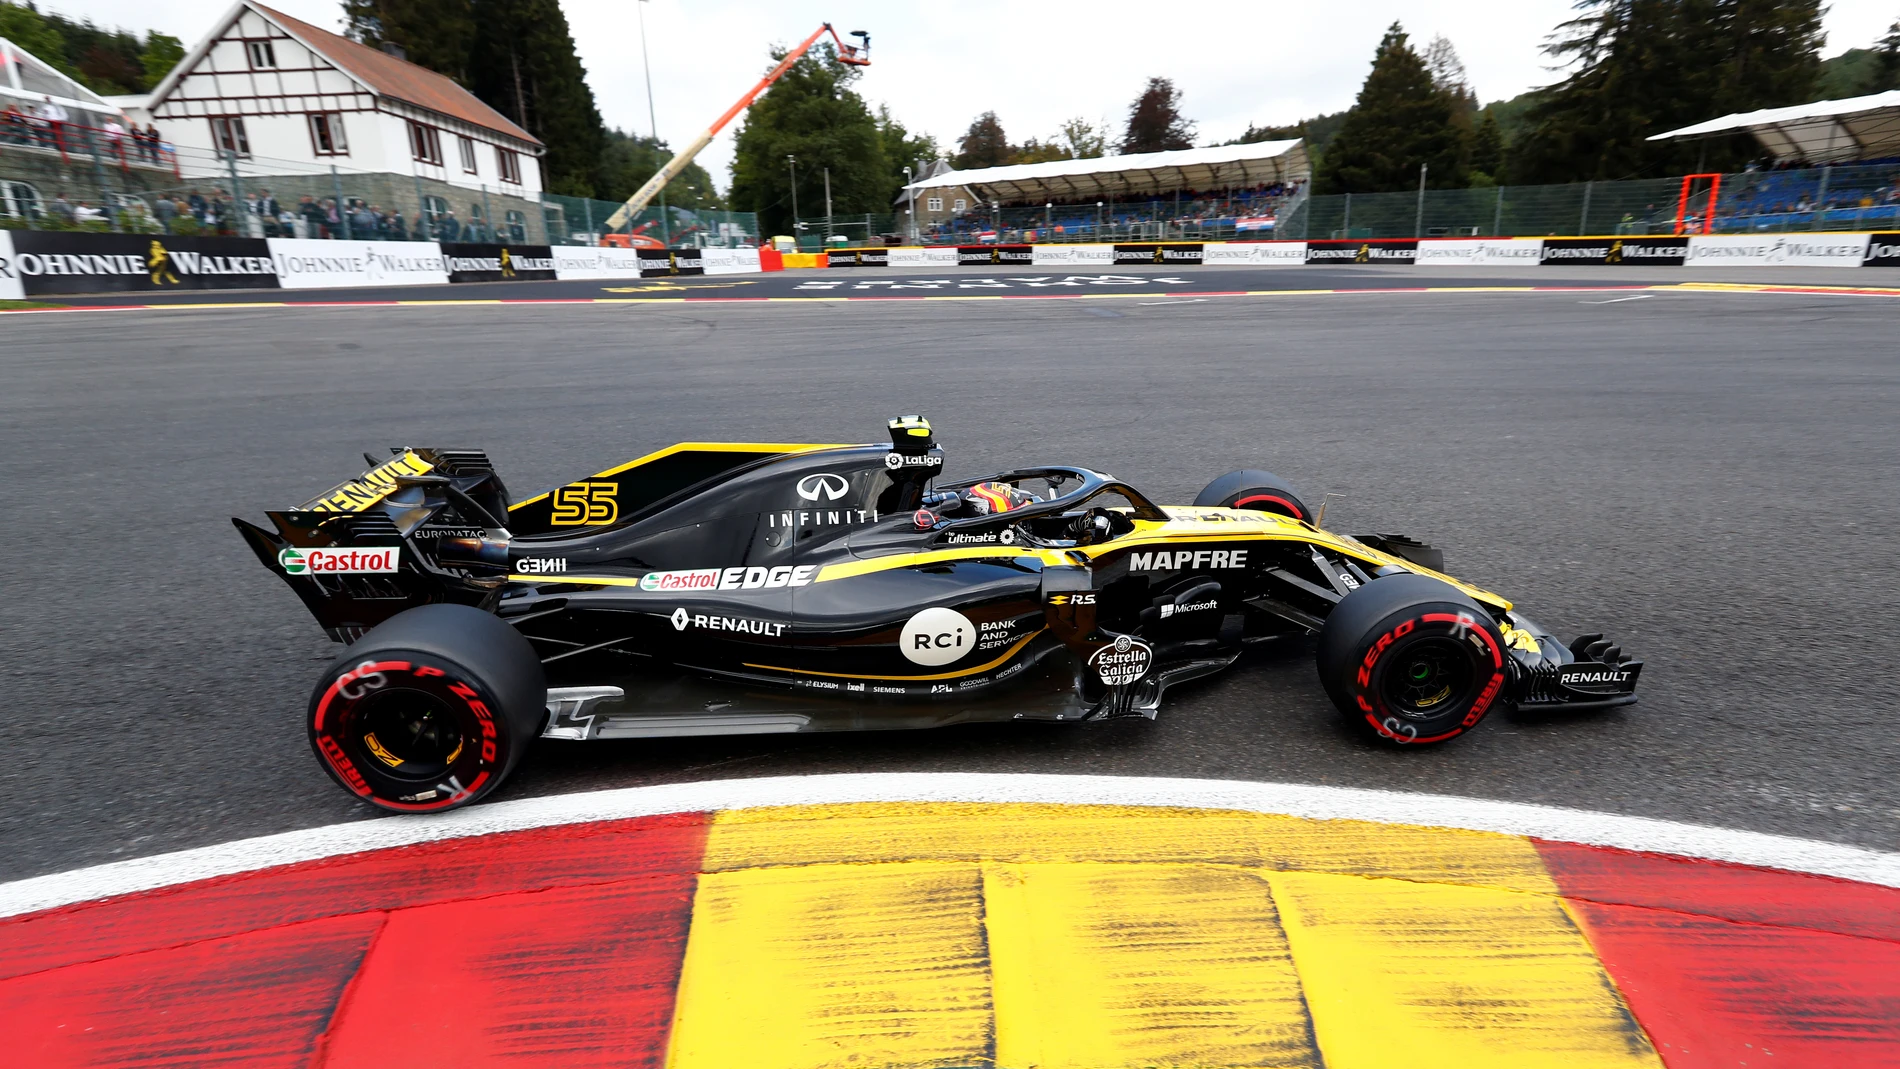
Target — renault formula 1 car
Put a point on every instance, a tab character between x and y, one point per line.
718	589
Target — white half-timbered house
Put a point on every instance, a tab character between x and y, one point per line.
269	88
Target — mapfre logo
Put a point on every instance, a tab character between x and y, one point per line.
376	560
824	486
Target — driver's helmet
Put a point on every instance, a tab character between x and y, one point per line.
988	499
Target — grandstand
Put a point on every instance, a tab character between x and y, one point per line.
1191	194
1836	165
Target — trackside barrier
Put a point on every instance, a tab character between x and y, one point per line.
1765	250
37	263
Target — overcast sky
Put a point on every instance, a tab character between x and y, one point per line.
938	65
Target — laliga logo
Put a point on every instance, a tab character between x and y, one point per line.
823	486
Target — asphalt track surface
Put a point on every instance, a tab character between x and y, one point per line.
1707	477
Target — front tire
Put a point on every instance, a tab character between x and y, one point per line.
1412	660
1261	491
428	711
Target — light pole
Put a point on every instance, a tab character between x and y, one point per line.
1098	219
791	162
666	226
996	218
1047	208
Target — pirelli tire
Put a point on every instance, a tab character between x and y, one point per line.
1261	491
1411	660
430	710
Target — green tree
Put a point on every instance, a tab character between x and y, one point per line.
162	53
1083	139
1487	150
30	30
524	65
1155	123
517	56
628	160
437	34
1887	73
1034	151
1646	66
813	114
903	149
1401	120
983	144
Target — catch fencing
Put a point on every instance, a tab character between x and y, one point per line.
1859	197
583	221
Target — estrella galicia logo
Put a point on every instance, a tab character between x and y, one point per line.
824	486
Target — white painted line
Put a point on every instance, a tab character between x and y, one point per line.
1161	304
1620	300
1300	800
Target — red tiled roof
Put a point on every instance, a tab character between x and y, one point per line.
399	78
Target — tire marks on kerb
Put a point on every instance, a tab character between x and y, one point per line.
973	932
1326	803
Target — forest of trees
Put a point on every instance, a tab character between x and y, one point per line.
1629	68
105	61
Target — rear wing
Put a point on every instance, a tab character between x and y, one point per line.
371	546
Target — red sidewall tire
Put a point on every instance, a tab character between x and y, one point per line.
471	680
340	735
1261	491
1395	624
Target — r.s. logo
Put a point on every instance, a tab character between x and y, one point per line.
585	505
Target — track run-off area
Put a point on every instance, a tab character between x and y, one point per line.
1699	465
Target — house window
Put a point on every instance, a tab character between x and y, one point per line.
263	56
962	204
467	145
227	134
326	134
425	143
510	165
516	226
934	204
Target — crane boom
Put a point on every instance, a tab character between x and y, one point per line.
856	55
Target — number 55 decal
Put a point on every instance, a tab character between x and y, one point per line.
585	505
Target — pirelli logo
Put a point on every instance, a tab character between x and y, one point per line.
369	488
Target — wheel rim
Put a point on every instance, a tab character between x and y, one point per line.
408	734
1428	678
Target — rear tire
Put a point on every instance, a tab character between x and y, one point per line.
1261	491
428	711
1412	660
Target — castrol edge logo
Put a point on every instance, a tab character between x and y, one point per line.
375	560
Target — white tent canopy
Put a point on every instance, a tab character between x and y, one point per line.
1121	177
1826	131
26	81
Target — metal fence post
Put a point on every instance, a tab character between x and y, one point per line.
1418	223
488	213
1820	199
1583	220
1497	217
587	209
237	192
342	209
422	215
1346	226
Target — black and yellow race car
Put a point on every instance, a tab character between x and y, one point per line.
721	588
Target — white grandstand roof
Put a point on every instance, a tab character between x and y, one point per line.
1218	167
1856	128
26	81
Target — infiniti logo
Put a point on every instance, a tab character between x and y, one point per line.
823	486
